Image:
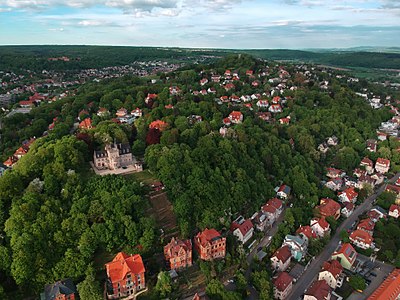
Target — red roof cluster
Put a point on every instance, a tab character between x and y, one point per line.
283	253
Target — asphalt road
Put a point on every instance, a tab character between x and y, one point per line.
313	269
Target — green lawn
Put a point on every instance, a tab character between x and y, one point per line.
144	176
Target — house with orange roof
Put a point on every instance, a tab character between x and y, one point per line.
319	290
272	209
262	104
346	255
280	260
243	229
329	208
394	210
361	239
178	254
320	226
158	124
137	112
348	195
236	117
86	124
21	151
210	244
382	165
331	271
125	276
389	289
283	284
11	160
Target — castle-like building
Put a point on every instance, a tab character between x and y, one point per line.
115	156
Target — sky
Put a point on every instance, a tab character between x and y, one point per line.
236	24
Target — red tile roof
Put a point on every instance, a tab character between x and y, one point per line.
383	162
244	228
366	225
348	251
334	267
329	207
351	194
389	289
282	281
122	264
367	162
394	207
307	231
283	254
319	289
86	124
207	235
158	124
361	236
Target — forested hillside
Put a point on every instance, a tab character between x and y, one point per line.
57	218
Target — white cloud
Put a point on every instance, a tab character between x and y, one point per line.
145	5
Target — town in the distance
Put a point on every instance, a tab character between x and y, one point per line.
200	174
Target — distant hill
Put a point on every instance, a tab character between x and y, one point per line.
84	57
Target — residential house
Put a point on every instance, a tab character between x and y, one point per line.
335	184
61	290
306	232
366	225
331	271
125	275
122	112
377	213
364	181
382	165
260	220
243	229
378	177
265	116
368	165
389	288
382	136
297	246
283	284
236	117
178	254
275	108
262	104
319	290
347	210
175	90
320	226
361	239
329	208
203	81
114	156
372	145
283	192
334	173
394	210
280	260
137	112
86	124
345	255
332	141
11	160
348	195
159	124
323	147
284	121
359	172
210	244
272	210
394	189
103	112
